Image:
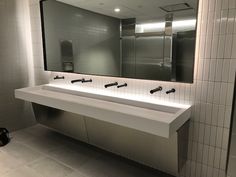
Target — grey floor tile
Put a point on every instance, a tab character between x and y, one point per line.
75	174
44	144
111	166
48	167
74	155
8	163
37	131
21	136
22	172
21	152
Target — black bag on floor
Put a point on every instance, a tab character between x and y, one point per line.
4	136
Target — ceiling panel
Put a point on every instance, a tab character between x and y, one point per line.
139	9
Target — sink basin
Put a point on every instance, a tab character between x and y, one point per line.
127	99
137	112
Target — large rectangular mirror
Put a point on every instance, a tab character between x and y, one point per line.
142	39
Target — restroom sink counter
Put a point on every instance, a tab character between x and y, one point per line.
161	118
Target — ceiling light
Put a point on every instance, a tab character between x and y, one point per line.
117	9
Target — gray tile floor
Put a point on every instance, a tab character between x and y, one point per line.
40	152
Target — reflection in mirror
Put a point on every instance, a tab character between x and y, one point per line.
142	39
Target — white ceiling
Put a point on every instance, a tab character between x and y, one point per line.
142	10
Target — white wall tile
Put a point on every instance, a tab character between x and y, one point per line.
198	170
219	69
232	4
207	134
217	158
215	111
230	91
201	133
223	20
232	70
212	70
225	4
218	6
205	154
219	137
213	136
216	29
217	87
210	92
223	159
222	173
203	113
209	171
225	138
208	113
227	116
204	171
225	70
212	5
210	24
211	156
199	152
206	69
216	172
228	46
230	22
193	169
221	116
233	54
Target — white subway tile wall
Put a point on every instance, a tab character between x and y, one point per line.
211	93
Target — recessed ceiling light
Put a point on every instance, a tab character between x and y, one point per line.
117	9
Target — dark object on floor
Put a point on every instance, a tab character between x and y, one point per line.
4	136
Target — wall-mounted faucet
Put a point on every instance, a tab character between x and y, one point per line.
156	90
111	84
77	80
57	77
123	85
89	80
170	91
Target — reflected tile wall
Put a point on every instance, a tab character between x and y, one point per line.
211	93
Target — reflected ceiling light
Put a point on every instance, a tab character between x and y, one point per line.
117	9
149	27
155	27
184	23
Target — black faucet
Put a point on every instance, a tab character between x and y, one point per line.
123	85
77	80
89	80
156	90
171	91
57	77
110	85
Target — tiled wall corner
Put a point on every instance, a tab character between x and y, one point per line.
211	93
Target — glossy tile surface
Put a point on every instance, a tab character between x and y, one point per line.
40	152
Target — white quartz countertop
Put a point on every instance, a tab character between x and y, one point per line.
160	119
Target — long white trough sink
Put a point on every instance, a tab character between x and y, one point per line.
158	118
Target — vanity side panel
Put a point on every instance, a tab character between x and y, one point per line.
67	123
183	133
